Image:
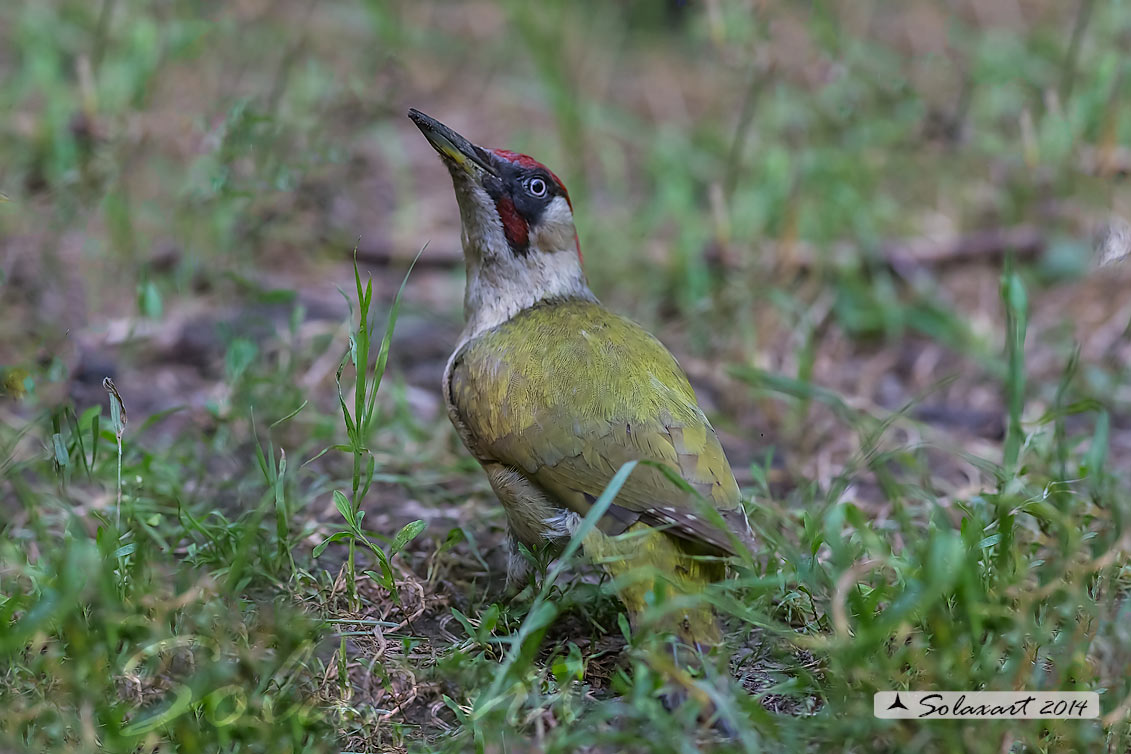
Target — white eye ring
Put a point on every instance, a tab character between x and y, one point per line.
536	187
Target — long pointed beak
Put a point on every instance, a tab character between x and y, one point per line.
451	145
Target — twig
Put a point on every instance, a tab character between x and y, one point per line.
103	23
1083	15
904	254
118	422
758	77
383	254
290	56
993	242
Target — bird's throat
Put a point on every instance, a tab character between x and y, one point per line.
498	289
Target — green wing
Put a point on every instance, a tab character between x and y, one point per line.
566	393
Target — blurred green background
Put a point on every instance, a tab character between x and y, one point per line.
886	240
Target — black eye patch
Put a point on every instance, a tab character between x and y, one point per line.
521	195
532	191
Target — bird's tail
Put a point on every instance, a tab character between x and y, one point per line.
646	562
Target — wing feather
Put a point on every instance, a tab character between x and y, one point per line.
607	392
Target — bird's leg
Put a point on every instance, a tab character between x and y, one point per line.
528	512
518	563
518	566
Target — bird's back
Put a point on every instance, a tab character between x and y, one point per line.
566	392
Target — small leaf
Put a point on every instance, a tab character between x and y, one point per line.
625	630
87	417
1015	295
289	416
945	559
324	451
149	300
241	355
989	541
488	621
465	622
264	468
60	447
124	550
455	536
350	427
118	417
1097	451
335	537
540	617
407	533
461	716
343	505
94	434
383	579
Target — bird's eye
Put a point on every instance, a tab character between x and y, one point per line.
536	187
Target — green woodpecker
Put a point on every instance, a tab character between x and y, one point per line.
552	393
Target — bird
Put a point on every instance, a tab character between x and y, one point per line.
552	394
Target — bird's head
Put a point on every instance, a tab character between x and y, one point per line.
519	239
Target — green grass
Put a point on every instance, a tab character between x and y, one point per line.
274	542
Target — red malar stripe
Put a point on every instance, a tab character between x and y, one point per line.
514	227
